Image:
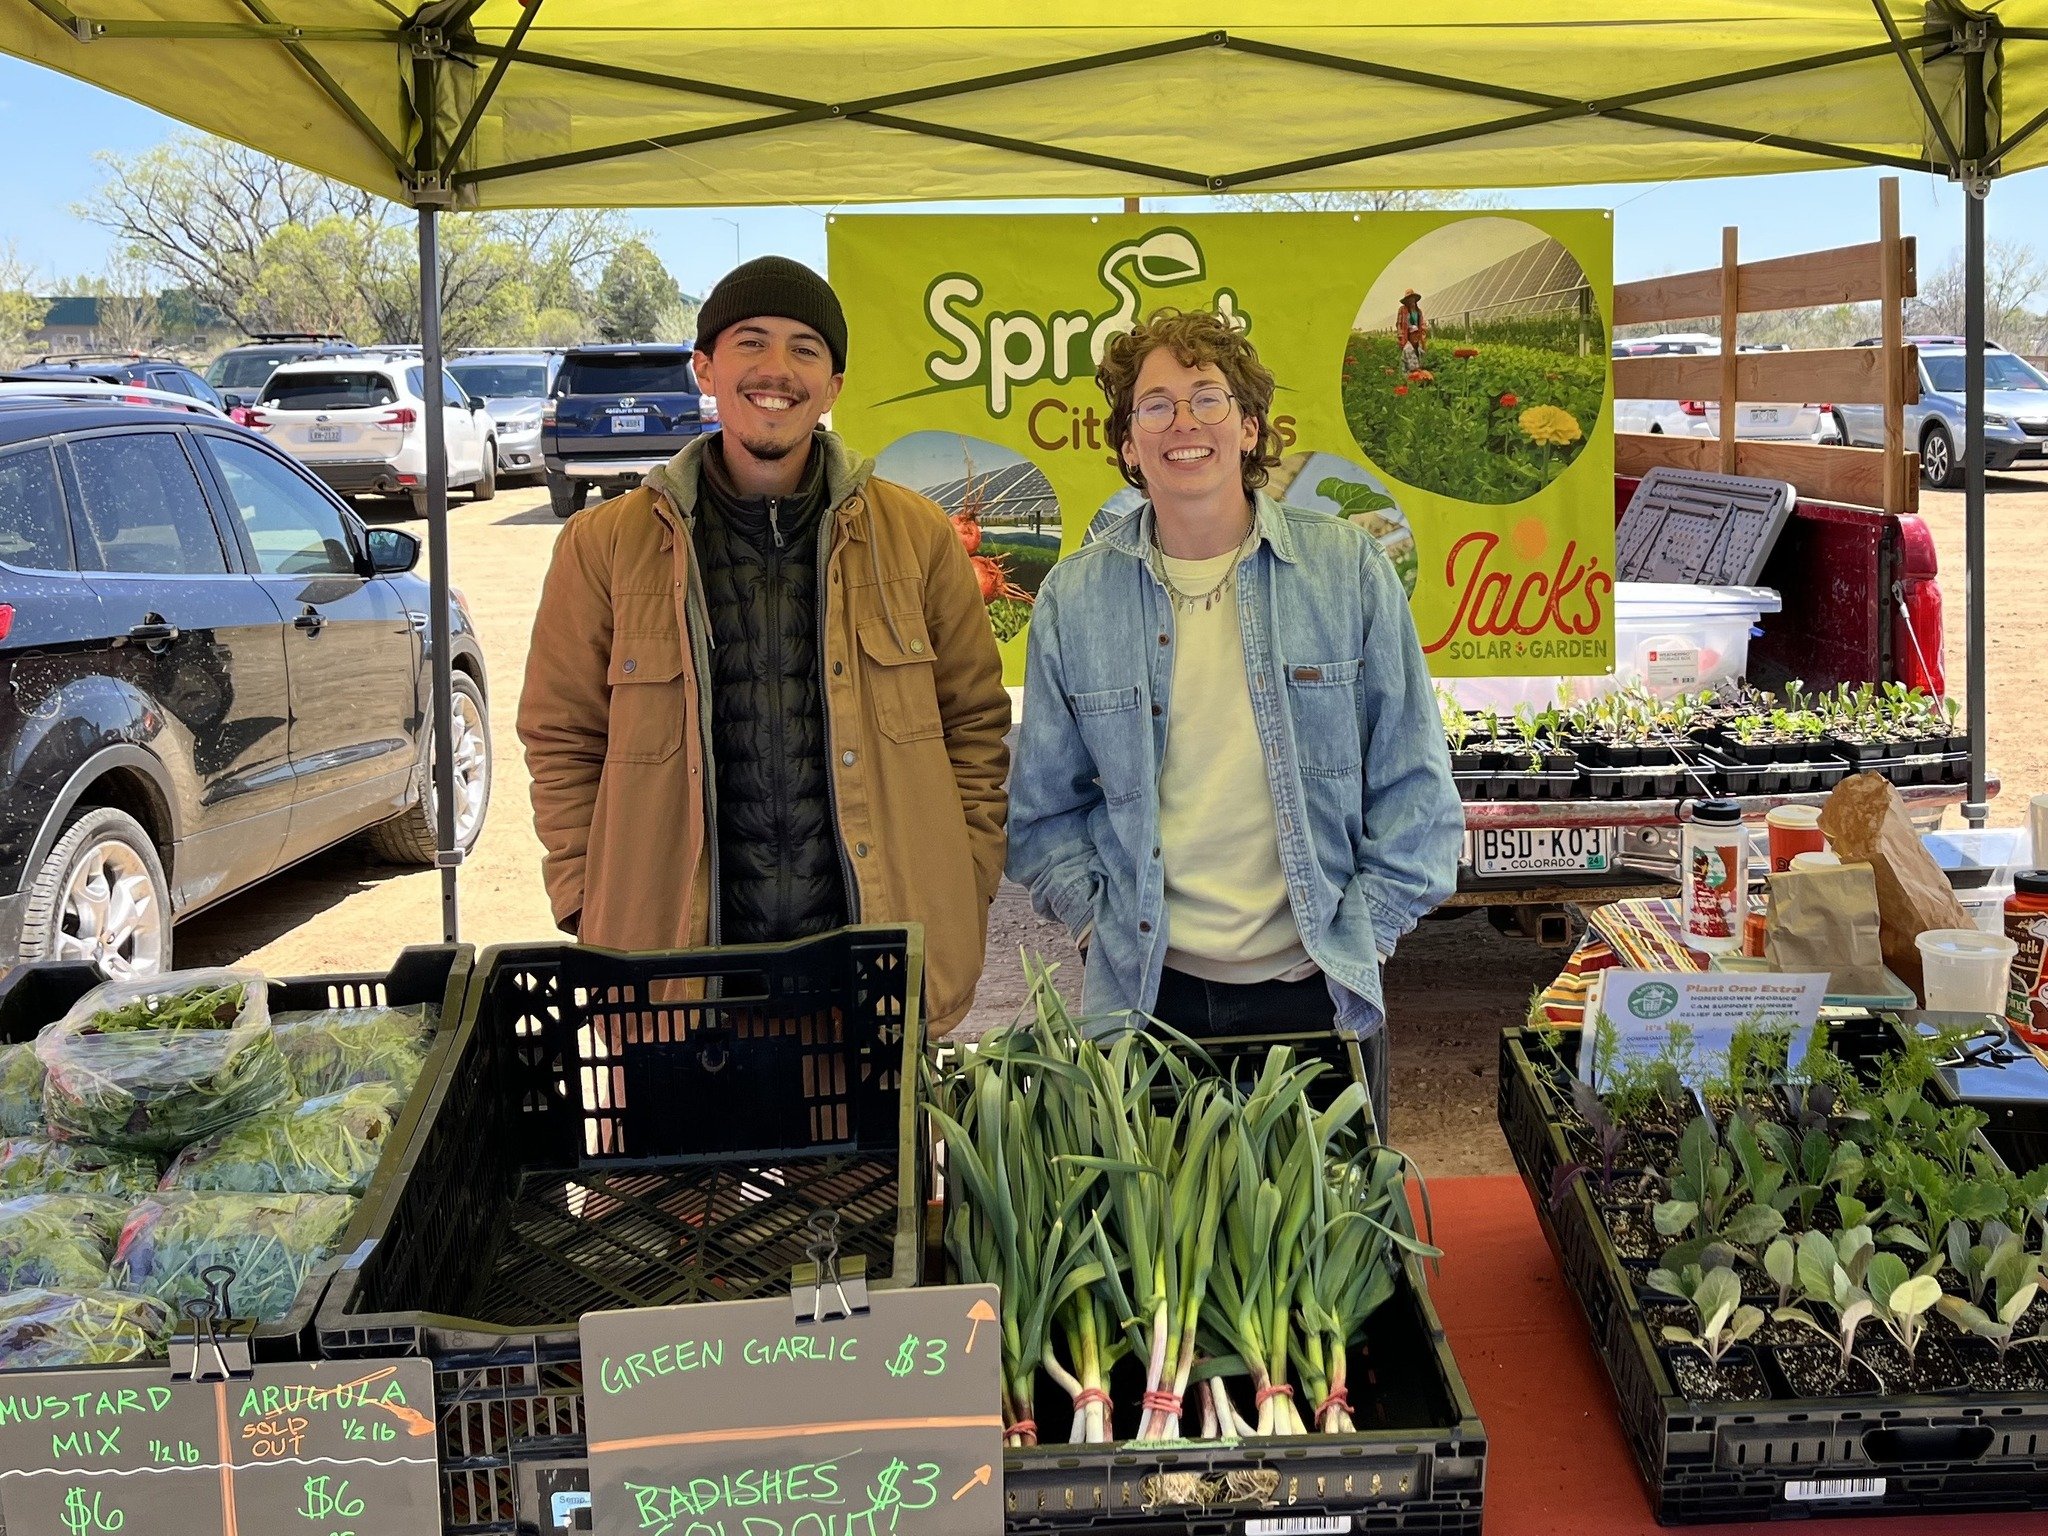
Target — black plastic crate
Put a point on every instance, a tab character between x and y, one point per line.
1786	1458
1416	1464
43	991
630	1130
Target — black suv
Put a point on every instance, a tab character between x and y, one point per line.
162	373
241	372
616	412
211	669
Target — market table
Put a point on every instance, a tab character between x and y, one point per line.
1557	1462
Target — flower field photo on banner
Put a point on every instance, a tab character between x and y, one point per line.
1477	366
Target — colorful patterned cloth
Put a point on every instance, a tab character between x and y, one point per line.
1643	935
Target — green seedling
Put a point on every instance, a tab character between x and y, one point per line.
1716	1297
1901	1300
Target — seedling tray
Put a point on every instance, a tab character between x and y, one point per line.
624	1131
43	991
1784	1458
1731	776
1634	783
1416	1464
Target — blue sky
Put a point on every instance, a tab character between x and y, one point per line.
1658	227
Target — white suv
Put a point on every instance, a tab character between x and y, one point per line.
358	421
1702	418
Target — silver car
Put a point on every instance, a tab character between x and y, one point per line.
2015	412
514	388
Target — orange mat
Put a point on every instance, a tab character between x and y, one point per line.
1557	1463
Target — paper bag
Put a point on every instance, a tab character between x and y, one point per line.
1827	920
1865	822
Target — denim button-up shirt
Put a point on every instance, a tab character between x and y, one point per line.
1370	827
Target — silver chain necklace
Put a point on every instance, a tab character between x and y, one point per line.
1183	601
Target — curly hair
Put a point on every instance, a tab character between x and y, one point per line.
1194	338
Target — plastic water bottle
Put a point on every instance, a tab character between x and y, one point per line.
1714	874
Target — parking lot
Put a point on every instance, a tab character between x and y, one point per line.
1450	989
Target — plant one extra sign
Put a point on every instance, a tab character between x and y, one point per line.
1443	381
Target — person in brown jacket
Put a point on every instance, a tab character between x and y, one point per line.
763	699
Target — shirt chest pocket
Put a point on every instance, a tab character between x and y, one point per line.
900	677
1322	699
645	674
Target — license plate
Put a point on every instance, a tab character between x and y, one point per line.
629	423
1764	413
1544	850
323	435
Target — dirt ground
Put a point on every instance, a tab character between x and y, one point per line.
1451	989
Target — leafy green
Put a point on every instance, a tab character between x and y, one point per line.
1716	1296
330	1049
1353	496
271	1242
33	1164
21	1090
40	1329
324	1146
155	1065
57	1241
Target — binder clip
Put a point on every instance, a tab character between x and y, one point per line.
213	1345
828	1287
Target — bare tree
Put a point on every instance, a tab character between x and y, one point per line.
1398	201
2014	278
20	310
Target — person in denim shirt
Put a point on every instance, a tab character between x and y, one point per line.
1231	784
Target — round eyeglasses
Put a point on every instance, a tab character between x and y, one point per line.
1209	406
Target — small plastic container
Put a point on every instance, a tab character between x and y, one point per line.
1715	870
1966	971
1820	858
2026	925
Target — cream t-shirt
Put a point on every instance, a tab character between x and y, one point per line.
1227	917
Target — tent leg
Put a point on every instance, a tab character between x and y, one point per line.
1977	809
440	635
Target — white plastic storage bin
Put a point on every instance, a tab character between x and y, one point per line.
1670	636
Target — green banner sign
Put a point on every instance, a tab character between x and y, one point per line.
1443	380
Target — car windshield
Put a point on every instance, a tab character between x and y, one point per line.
2001	371
329	390
245	370
502	381
639	373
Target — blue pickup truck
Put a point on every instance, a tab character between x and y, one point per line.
614	413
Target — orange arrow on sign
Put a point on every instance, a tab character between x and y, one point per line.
979	1480
981	1312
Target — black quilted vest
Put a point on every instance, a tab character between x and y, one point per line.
778	849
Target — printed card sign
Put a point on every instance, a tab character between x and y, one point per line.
1690	1019
339	1449
1443	382
727	1419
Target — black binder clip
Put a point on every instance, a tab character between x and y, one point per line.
214	1345
844	1282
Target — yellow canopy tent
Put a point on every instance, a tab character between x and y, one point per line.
460	104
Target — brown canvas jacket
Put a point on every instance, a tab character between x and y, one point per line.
618	740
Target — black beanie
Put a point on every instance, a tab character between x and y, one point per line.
774	285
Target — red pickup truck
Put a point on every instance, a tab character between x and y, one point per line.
1861	605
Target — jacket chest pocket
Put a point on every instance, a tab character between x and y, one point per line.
1112	728
900	678
1322	698
646	724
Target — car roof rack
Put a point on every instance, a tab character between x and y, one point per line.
28	387
100	357
258	337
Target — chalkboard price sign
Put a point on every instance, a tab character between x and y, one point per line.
333	1449
725	1419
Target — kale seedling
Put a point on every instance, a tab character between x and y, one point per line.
1716	1296
1900	1299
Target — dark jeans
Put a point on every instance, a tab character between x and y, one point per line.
1211	1009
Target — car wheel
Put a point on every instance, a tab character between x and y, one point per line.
1841	427
566	495
409	838
101	897
487	486
1938	466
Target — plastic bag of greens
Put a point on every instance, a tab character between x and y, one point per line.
21	1090
271	1242
157	1064
325	1146
33	1164
335	1048
44	1328
61	1242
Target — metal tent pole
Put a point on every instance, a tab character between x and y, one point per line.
440	638
1976	810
